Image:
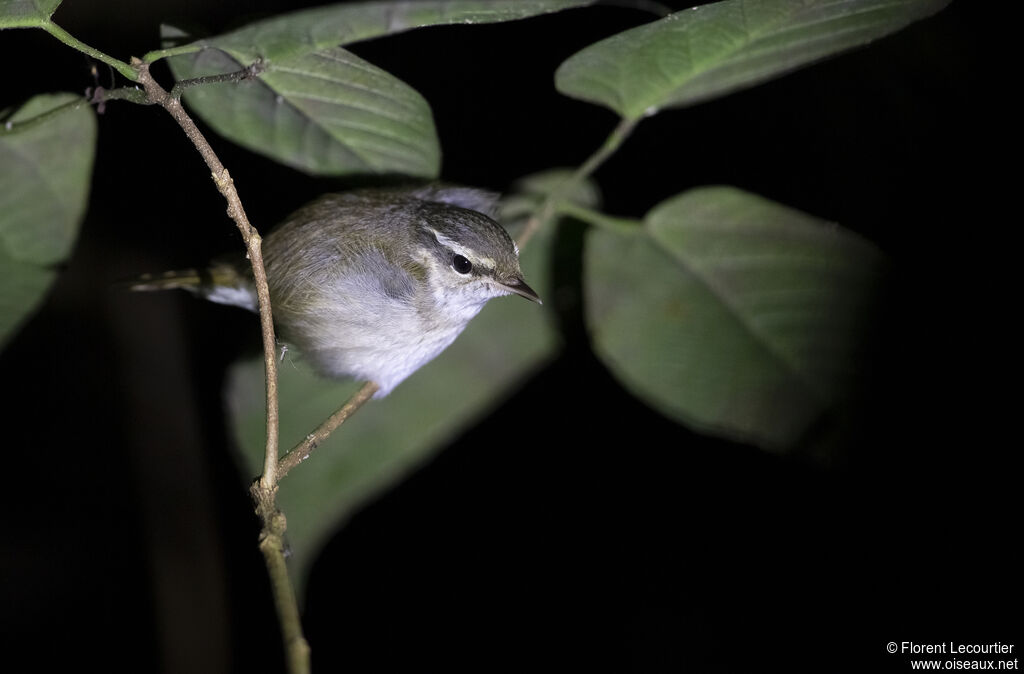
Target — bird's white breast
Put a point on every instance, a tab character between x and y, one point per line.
361	331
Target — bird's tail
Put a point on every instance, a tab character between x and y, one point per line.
222	283
185	279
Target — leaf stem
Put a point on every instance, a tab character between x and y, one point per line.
72	41
551	204
157	54
9	126
623	225
132	94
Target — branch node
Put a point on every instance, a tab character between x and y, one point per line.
256	67
97	96
222	179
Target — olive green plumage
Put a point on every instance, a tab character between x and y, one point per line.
373	284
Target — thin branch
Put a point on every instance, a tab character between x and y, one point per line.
253	243
244	74
99	96
301	451
272	546
264	490
550	205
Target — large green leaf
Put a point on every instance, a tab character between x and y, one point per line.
320	108
22	287
300	32
714	49
732	313
325	112
26	13
390	437
46	154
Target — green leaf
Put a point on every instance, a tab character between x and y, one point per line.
326	112
301	32
732	313
26	13
46	154
390	437
715	49
319	108
23	286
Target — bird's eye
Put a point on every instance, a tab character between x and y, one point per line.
461	264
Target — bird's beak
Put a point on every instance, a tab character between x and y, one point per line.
519	287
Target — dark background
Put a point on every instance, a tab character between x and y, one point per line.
574	529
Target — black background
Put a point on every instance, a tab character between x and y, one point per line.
574	529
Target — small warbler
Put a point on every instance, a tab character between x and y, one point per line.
373	283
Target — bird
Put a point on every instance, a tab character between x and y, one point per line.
372	283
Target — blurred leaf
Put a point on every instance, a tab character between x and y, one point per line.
390	437
715	49
26	13
301	32
732	313
326	112
543	183
22	287
529	192
46	153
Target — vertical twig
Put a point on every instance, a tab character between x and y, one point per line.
272	545
264	491
253	243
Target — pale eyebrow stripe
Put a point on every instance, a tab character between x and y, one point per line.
461	250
